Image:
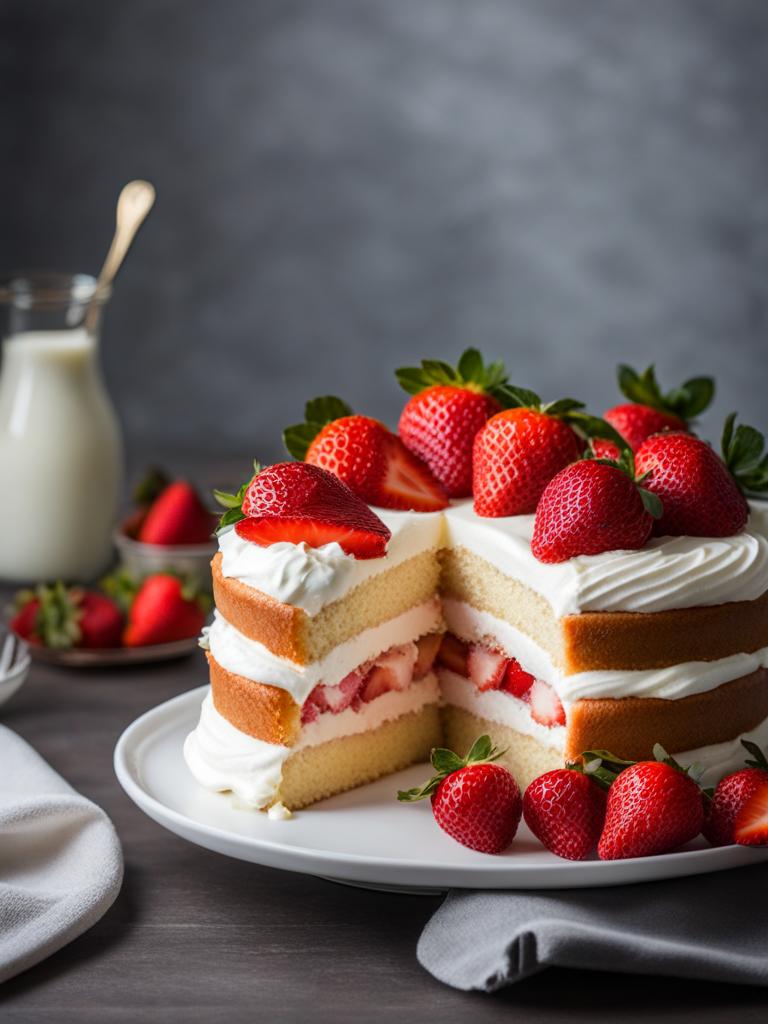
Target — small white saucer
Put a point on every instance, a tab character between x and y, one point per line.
365	836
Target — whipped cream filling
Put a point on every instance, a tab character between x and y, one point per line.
670	683
222	758
249	658
500	707
311	578
669	572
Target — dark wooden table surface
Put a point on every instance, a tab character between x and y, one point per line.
194	936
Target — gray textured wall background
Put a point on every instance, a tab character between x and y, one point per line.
349	184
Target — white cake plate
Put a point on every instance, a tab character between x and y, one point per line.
364	837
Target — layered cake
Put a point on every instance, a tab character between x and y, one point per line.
332	665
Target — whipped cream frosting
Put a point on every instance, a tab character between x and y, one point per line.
311	578
249	658
222	758
669	572
670	683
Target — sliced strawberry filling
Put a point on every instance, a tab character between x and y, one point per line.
396	669
358	541
491	669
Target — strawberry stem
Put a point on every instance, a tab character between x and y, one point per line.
686	401
446	762
471	372
744	454
318	413
233	503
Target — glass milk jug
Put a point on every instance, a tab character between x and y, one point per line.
61	455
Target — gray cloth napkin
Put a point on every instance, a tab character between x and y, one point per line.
713	927
61	866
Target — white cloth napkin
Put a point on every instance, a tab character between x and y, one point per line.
61	865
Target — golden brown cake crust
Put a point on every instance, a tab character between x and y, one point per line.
281	628
265	712
630	727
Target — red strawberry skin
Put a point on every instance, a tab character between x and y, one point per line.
635	422
652	808
729	797
177	516
100	622
376	465
24	622
751	827
588	508
515	456
699	495
439	425
301	503
161	614
565	810
479	806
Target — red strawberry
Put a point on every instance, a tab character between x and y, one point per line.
653	807
177	516
162	612
731	794
453	655
590	507
517	681
475	801
701	493
650	411
339	697
486	667
751	827
299	503
427	646
24	622
546	708
367	456
447	409
565	810
64	617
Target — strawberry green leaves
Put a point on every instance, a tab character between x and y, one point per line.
686	401
471	371
446	762
744	454
233	503
317	413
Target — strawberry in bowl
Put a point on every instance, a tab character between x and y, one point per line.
170	530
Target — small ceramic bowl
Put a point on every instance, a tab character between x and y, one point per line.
190	560
14	663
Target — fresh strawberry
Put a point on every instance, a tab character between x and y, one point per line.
653	807
162	611
565	810
177	516
367	456
519	450
702	494
475	801
731	794
517	681
593	506
309	712
24	623
448	407
650	411
454	655
751	827
486	667
339	697
427	647
297	503
546	708
64	617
